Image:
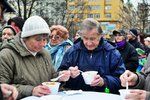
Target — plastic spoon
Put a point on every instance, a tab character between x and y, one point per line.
55	79
127	86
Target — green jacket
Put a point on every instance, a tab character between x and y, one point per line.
23	70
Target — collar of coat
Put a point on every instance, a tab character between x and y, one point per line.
103	45
16	45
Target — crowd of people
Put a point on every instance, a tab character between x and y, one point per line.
31	53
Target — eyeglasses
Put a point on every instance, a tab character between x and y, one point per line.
54	37
90	38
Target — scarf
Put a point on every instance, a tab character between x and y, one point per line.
121	44
57	52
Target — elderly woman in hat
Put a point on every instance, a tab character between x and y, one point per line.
58	44
127	51
25	63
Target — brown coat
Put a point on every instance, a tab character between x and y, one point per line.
144	79
25	71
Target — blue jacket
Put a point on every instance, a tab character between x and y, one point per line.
105	59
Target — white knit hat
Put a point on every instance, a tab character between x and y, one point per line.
147	39
33	26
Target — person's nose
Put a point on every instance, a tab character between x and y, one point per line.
6	36
88	42
43	43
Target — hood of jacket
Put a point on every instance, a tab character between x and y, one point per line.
17	46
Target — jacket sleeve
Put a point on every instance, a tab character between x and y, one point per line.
69	59
7	72
132	60
1	95
24	90
117	68
147	96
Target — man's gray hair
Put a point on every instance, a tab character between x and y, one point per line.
89	24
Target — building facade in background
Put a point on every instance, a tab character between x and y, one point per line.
105	11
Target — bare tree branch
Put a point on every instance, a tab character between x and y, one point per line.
30	11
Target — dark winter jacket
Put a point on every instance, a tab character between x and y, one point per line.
130	57
136	44
147	50
105	59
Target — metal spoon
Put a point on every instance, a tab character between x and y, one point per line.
55	79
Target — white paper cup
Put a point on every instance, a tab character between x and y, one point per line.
53	86
123	93
88	76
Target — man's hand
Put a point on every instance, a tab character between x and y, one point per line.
129	77
66	75
74	71
98	81
136	94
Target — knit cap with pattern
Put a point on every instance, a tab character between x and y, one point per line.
33	26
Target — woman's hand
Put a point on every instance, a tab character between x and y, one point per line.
9	92
40	90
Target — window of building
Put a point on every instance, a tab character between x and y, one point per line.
80	7
90	15
71	0
108	7
93	0
95	7
80	16
71	7
96	15
107	1
108	15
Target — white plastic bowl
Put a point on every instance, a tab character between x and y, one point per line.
123	93
88	76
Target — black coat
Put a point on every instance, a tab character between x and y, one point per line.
147	50
130	57
136	44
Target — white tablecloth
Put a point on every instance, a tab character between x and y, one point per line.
78	96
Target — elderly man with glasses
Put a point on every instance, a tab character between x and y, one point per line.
93	53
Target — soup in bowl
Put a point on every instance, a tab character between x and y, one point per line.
53	86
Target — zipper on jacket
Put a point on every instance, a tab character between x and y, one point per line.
91	56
